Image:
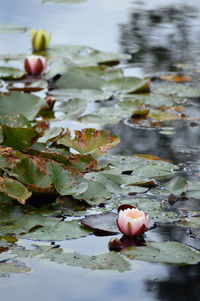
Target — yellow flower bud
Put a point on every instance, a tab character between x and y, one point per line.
40	40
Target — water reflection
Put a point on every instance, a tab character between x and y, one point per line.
158	39
180	283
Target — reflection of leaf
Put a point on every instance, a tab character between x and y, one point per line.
164	252
89	141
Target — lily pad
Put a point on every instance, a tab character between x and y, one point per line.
70	109
18	103
87	94
176	186
89	141
11	73
14	189
19	138
164	252
106	116
54	229
102	223
12	29
127	85
177	90
8	267
18	121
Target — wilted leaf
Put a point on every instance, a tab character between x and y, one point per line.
89	141
18	121
12	266
14	189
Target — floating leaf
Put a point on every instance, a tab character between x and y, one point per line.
177	90
54	229
70	109
106	116
127	85
18	121
66	183
192	222
12	266
19	138
102	223
18	103
12	29
89	141
87	94
176	186
14	189
11	73
164	252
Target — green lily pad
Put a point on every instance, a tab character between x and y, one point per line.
54	229
19	138
192	222
15	190
177	90
66	183
164	252
87	94
89	141
12	29
18	103
8	267
127	85
107	261
77	78
18	121
50	134
70	109
29	173
11	73
106	116
154	209
176	186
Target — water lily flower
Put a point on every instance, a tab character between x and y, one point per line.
35	64
132	221
40	40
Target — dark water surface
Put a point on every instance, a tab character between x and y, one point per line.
158	35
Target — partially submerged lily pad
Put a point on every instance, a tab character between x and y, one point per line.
164	252
11	73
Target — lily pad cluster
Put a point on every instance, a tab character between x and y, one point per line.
58	180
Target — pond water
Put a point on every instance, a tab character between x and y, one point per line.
158	36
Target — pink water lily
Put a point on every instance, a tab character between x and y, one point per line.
35	64
132	221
